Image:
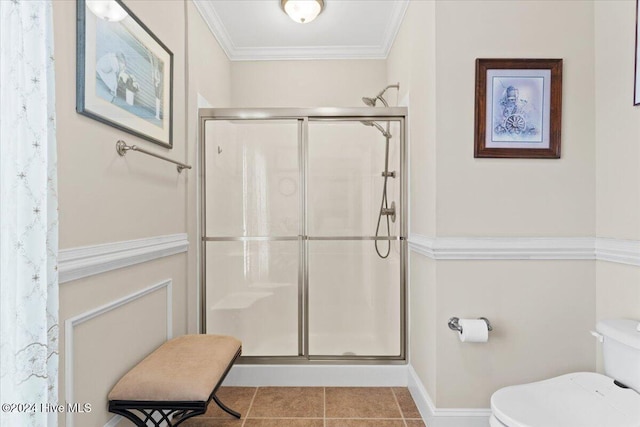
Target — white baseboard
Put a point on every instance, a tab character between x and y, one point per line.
318	375
434	417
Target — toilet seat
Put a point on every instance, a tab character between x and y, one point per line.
583	399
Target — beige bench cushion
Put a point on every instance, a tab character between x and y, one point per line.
186	368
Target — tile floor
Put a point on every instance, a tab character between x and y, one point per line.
312	407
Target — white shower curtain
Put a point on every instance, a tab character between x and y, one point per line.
28	215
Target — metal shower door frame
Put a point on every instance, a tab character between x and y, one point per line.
303	116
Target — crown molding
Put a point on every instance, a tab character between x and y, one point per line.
215	25
397	16
237	53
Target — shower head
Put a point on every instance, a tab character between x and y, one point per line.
371	102
377	126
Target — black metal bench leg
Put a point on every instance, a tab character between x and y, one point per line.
224	407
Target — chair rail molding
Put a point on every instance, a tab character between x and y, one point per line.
619	251
489	248
85	261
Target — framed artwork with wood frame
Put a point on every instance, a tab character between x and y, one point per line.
124	73
518	109
636	91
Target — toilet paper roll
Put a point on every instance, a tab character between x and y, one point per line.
473	330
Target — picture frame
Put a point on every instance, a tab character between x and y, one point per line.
518	108
636	74
124	73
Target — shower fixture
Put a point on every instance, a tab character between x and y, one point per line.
385	210
390	211
377	126
371	102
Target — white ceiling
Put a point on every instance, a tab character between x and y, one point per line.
346	29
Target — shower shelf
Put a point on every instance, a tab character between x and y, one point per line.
240	300
270	285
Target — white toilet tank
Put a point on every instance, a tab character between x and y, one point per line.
621	350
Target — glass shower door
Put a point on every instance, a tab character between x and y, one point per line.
354	253
252	228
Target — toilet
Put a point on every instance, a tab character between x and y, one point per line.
582	399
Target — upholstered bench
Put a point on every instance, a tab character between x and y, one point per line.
177	381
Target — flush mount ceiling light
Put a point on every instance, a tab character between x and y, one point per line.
302	11
109	10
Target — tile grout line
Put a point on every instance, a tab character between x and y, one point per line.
250	406
324	406
362	418
393	392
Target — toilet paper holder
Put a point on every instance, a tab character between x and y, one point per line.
455	326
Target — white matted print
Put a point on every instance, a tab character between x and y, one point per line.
518	106
124	72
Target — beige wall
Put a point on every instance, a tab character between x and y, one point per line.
422	320
618	156
210	78
462	196
328	83
105	198
412	63
617	128
495	197
541	311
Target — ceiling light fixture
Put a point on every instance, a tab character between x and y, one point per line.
302	11
109	10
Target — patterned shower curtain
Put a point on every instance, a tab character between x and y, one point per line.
28	215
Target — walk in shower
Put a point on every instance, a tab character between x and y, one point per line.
300	258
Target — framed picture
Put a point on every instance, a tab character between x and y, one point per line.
518	108
124	73
636	93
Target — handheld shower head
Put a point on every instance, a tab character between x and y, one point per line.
377	126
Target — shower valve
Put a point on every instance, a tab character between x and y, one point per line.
391	212
391	174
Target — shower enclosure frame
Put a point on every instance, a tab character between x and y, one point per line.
303	116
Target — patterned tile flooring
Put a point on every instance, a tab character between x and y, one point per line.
312	407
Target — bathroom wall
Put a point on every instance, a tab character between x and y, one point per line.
106	199
496	198
412	63
618	158
209	80
323	83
